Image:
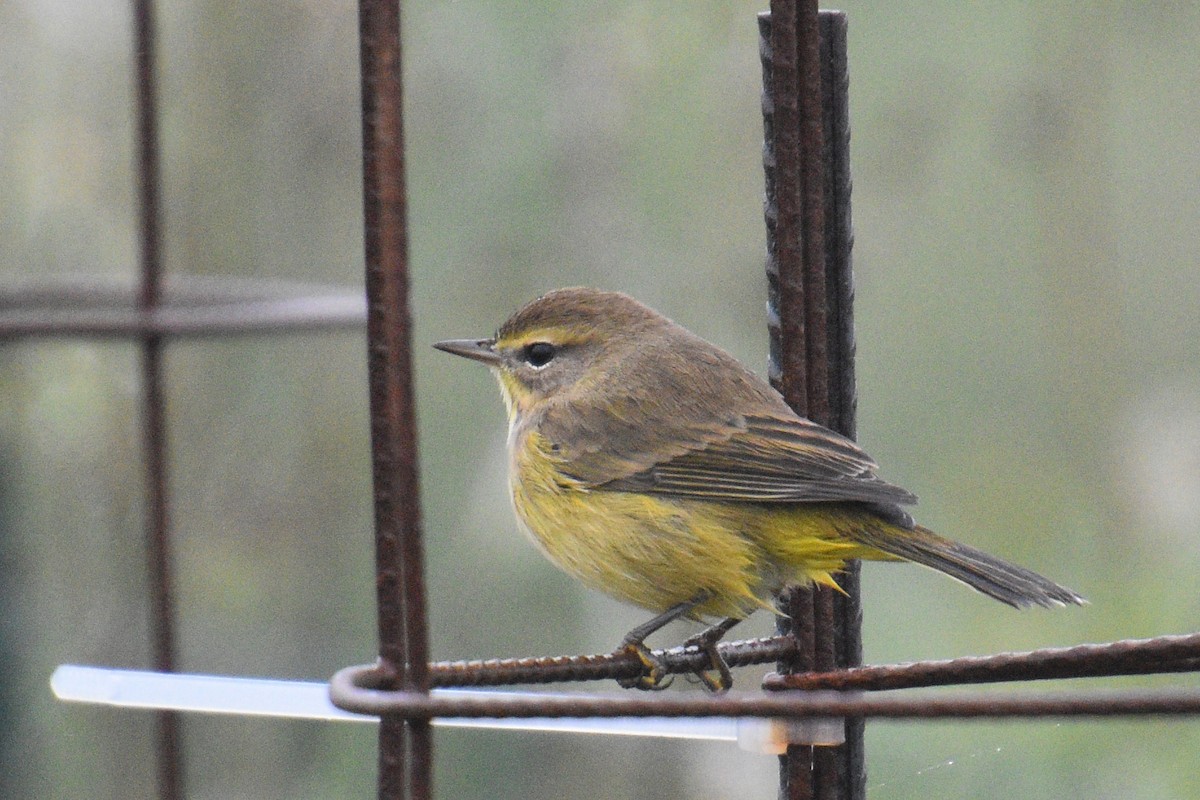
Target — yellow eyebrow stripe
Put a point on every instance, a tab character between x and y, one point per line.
557	335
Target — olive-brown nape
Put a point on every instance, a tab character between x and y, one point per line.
580	311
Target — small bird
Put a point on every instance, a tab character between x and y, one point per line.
654	467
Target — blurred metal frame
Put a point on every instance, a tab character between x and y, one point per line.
152	312
811	292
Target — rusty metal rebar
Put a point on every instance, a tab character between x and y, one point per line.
782	214
807	213
1160	655
169	761
405	746
781	208
183	306
355	689
602	666
841	388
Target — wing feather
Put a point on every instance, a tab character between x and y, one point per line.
686	438
761	459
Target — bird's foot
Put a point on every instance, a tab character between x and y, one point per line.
706	641
654	675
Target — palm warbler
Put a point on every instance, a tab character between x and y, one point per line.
653	466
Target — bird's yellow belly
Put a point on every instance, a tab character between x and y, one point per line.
656	551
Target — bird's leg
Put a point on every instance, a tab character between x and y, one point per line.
654	675
707	640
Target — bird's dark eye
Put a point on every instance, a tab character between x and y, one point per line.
539	354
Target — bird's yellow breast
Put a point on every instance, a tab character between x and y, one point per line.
656	551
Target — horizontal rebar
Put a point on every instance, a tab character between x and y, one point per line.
188	307
351	689
499	672
1163	654
1127	657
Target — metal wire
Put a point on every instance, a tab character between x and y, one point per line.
555	669
184	306
1164	654
405	746
1159	655
169	760
353	689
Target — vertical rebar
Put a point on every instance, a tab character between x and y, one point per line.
781	164
405	757
153	411
842	394
810	294
812	170
785	300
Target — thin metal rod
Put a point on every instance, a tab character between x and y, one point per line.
405	760
839	231
1160	655
785	302
815	303
1163	654
781	165
158	543
148	171
353	689
845	617
826	761
606	666
808	250
211	309
154	434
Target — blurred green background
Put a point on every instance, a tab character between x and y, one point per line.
1027	185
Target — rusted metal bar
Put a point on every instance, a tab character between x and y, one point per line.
826	761
781	209
184	307
839	231
354	689
169	759
1126	657
1160	655
405	757
158	542
785	302
788	369
839	295
606	666
149	180
808	269
815	302
841	391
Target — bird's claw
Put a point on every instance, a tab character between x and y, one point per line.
722	681
654	675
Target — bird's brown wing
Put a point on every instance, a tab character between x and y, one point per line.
771	460
759	458
701	426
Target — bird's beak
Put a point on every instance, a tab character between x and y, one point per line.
475	349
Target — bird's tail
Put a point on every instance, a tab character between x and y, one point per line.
995	577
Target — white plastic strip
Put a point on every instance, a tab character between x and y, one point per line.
217	694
